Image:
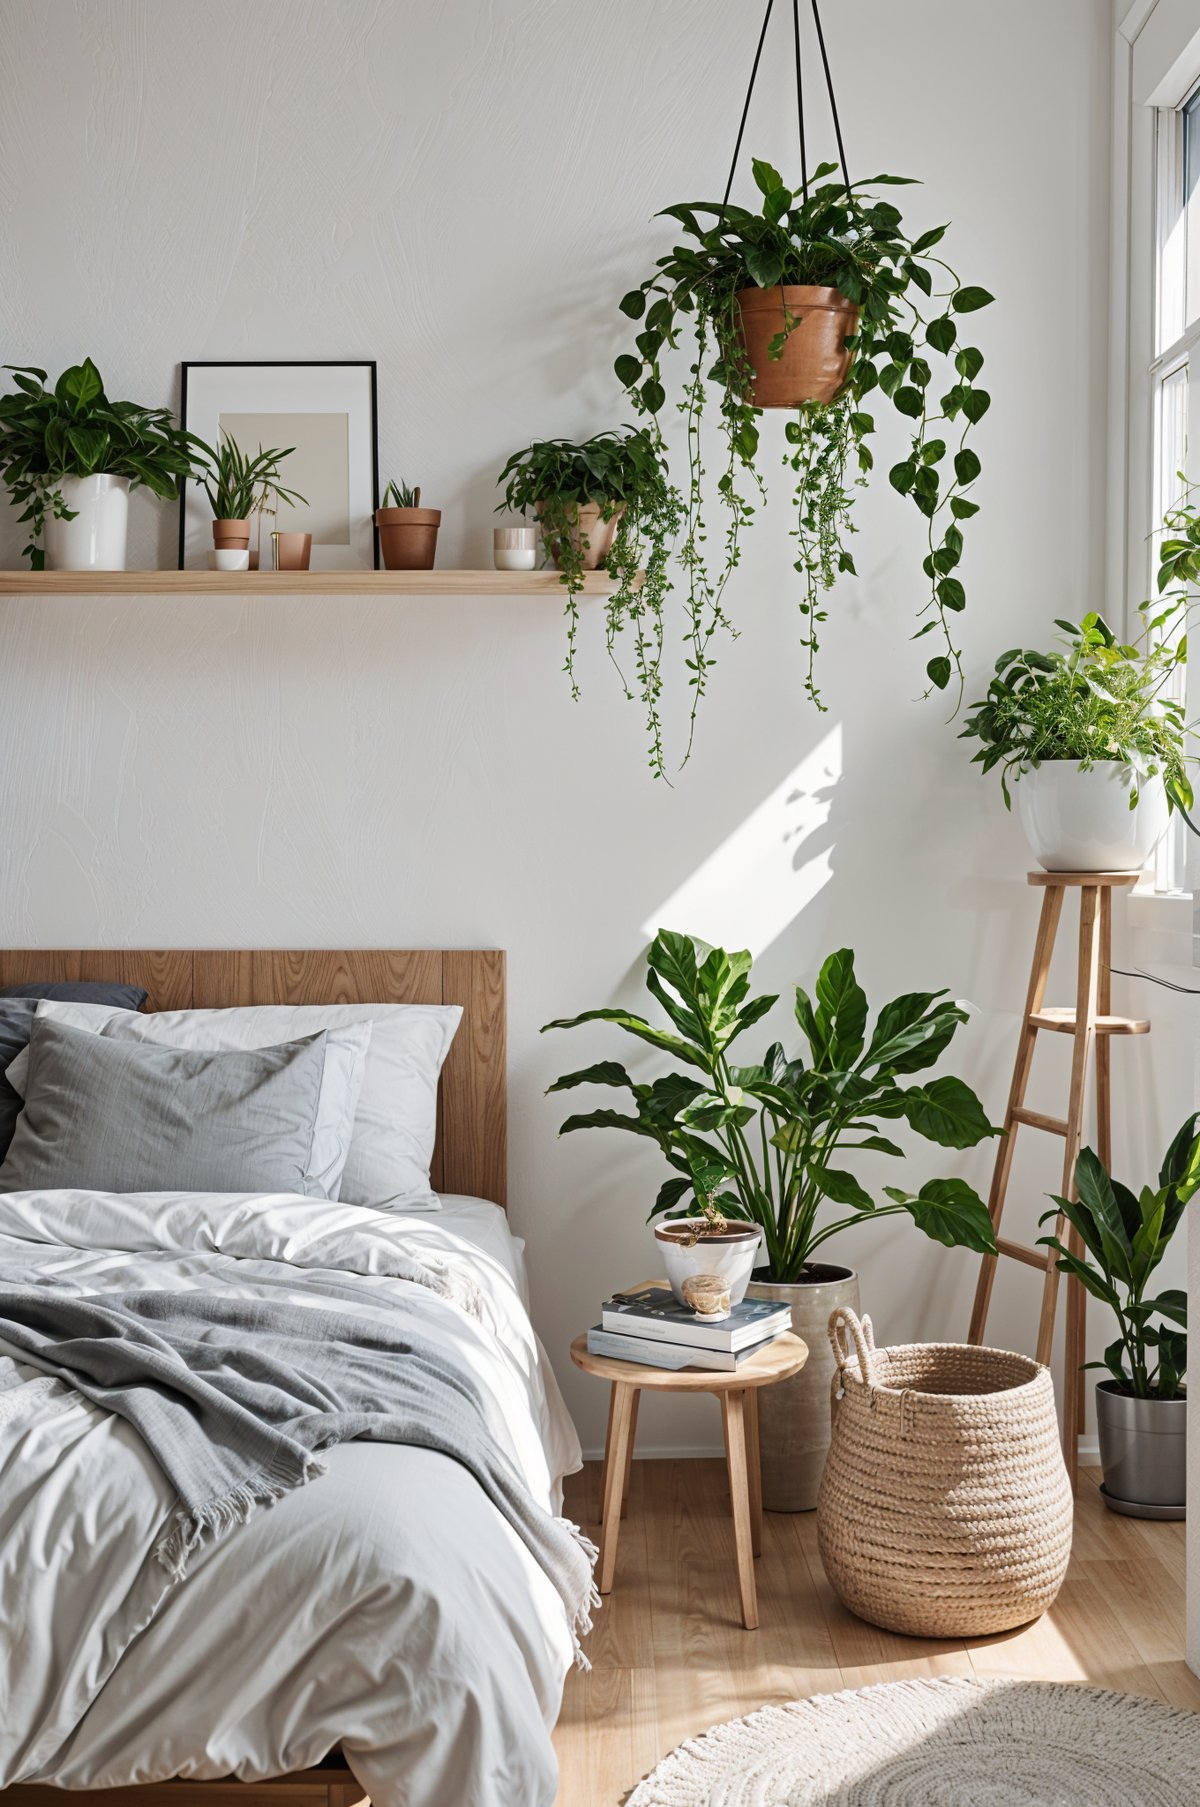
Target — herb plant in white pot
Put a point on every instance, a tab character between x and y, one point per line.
1094	742
70	458
759	1143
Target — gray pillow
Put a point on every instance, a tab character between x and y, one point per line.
132	1117
17	1005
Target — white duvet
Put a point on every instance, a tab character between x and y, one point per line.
386	1606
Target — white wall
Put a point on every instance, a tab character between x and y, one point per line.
463	192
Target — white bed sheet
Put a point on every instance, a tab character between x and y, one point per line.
387	1606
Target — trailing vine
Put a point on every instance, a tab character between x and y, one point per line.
623	474
838	235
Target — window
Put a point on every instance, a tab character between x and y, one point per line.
1174	372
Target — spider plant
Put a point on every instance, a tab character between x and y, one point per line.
238	485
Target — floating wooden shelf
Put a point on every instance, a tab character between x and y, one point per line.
298	583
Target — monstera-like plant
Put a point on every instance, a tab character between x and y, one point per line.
825	303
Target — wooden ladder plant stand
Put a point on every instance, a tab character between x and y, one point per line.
1090	1024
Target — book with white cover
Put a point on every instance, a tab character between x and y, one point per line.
654	1354
654	1311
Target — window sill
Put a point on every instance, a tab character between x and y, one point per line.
1161	931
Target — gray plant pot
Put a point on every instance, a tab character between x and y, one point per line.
794	1415
1143	1448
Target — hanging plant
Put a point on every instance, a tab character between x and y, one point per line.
607	503
812	304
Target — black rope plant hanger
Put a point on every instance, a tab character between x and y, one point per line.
807	303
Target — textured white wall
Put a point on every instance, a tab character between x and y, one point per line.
463	191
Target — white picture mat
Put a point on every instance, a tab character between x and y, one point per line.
214	390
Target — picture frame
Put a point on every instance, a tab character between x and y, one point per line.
328	409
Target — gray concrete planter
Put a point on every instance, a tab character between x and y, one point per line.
1143	1448
793	1416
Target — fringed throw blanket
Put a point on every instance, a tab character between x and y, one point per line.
234	1397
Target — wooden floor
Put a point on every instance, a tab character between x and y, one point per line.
670	1657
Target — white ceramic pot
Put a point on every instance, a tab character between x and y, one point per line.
731	1255
1077	821
95	539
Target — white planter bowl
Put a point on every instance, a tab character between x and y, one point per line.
95	539
1077	821
732	1256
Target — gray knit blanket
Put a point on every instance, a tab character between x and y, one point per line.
234	1398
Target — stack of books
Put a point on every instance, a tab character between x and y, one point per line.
650	1326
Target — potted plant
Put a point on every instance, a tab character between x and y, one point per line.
70	458
238	486
607	502
759	1143
814	303
1097	748
1141	1409
407	532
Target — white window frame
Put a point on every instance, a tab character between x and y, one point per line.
1156	68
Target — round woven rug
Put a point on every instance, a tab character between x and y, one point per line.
948	1742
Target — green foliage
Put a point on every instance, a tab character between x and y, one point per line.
911	306
238	485
399	495
759	1142
1126	1237
622	472
1096	699
73	430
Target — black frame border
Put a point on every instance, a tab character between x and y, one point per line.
288	364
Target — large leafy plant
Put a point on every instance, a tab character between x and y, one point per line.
763	1142
624	474
1097	698
1126	1236
73	430
841	236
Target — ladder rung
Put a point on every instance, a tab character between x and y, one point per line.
1061	1019
1054	1126
1030	1257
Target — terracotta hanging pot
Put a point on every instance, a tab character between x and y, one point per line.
408	536
815	361
231	535
590	525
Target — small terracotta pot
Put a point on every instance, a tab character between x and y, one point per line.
292	551
231	535
599	533
408	537
815	361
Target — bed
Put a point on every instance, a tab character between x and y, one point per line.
382	1631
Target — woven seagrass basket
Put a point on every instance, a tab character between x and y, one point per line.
945	1509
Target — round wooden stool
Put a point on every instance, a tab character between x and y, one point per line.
738	1392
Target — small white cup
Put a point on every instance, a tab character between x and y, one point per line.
514	548
230	558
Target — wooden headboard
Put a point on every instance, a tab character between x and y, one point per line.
472	1145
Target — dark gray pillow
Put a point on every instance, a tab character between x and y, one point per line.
17	1005
115	1116
81	991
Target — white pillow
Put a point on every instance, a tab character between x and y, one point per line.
395	1124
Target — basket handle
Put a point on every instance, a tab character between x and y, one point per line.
845	1326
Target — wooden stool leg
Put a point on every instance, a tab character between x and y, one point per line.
754	1469
1052	900
733	1413
1086	992
633	1418
614	1482
608	1437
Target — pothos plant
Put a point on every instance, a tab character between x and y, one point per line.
624	475
912	304
764	1142
74	430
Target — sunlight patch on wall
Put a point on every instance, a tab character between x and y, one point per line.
769	869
